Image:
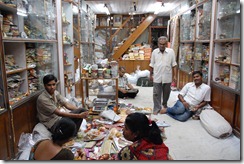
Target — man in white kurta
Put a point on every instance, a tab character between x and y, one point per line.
162	71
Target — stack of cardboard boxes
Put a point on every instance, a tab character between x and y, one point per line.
138	52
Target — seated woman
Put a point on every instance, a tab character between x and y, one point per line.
146	137
52	149
125	89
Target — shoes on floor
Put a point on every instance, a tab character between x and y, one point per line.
163	111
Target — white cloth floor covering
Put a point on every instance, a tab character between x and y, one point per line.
188	140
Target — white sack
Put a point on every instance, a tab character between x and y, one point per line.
215	124
144	73
132	79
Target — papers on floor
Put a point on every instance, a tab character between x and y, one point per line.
104	122
122	142
111	115
78	144
162	124
109	147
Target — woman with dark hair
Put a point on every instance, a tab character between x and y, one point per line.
52	149
146	137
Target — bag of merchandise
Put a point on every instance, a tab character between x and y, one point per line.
215	124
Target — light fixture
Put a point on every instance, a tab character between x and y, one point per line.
75	9
134	4
106	9
22	12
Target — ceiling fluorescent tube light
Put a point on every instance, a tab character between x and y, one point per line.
21	12
75	9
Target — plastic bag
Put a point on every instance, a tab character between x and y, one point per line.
132	78
24	146
144	73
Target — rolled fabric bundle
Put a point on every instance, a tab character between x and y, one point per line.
215	124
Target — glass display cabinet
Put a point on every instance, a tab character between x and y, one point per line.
226	63
28	52
101	88
68	47
31	30
87	49
2	83
203	28
201	59
187	25
186	57
227	55
187	33
195	35
228	19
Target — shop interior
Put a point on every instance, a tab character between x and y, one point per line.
84	42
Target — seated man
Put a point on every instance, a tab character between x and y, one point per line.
192	98
51	101
125	89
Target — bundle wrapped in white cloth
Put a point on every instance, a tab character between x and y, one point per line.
215	124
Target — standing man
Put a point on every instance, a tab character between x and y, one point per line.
162	72
192	99
49	104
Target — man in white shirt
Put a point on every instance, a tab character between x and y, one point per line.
162	72
192	99
125	89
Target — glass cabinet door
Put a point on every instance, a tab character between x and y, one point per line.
87	37
187	25
227	55
84	38
29	47
39	22
227	64
2	88
186	57
201	59
68	48
204	21
228	19
45	63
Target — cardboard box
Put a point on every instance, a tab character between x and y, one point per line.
147	50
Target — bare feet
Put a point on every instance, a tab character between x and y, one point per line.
163	111
195	117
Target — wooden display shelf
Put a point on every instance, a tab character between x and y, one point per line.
131	65
85	83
